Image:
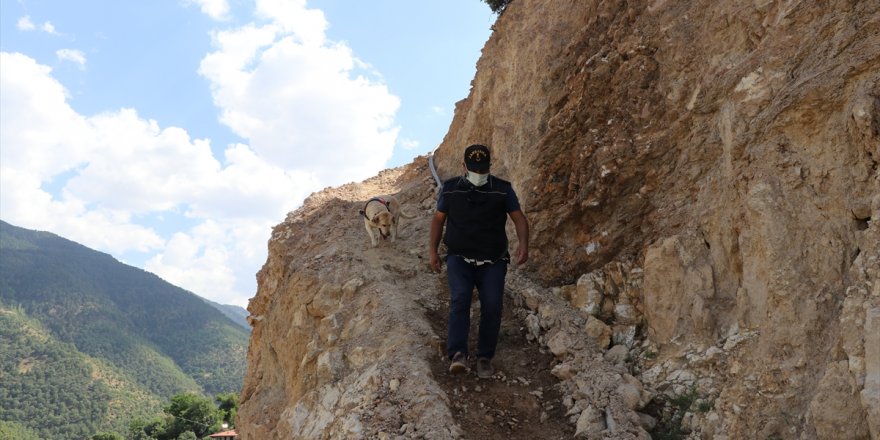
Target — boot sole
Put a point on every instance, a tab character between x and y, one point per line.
457	368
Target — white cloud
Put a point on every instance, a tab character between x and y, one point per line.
312	115
115	168
203	259
25	24
43	138
24	203
142	168
48	28
306	25
236	194
216	9
73	55
198	261
31	102
409	144
300	100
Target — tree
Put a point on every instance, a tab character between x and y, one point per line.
139	429
10	430
228	406
497	6
188	435
190	412
107	436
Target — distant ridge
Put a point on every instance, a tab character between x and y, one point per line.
141	337
237	314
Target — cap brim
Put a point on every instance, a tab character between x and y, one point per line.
482	169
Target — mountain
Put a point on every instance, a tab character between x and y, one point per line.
60	392
127	338
702	183
237	314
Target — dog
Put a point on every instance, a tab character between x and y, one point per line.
382	217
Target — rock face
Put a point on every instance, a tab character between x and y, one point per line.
731	150
702	182
340	345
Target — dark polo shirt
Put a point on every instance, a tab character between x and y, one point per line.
475	217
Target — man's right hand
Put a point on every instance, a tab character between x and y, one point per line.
437	223
435	262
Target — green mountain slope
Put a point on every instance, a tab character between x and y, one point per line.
17	431
237	314
165	339
53	390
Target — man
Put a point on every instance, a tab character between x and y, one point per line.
474	209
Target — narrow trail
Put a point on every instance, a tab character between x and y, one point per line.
523	399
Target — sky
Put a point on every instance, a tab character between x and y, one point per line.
174	134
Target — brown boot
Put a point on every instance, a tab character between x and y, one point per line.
458	364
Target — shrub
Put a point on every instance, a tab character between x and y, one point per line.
107	436
497	6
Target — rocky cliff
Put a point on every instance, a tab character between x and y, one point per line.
702	183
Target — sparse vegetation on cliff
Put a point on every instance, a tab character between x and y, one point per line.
497	6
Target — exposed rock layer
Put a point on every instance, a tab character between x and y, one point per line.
702	182
731	149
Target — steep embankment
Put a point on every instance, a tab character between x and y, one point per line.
348	339
702	181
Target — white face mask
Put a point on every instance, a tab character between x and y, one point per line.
477	179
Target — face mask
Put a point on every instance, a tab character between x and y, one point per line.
477	179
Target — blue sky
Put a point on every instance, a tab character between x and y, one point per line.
173	134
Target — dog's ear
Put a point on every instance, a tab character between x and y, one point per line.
375	220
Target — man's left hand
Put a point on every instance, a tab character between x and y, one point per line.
522	255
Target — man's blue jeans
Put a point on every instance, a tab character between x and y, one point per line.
489	281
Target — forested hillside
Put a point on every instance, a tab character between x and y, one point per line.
237	314
101	331
59	392
17	431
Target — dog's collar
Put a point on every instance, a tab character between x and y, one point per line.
374	199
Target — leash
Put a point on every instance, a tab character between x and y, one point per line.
384	203
434	169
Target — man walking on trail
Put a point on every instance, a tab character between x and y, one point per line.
474	209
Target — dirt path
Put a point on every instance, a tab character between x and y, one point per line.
522	400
